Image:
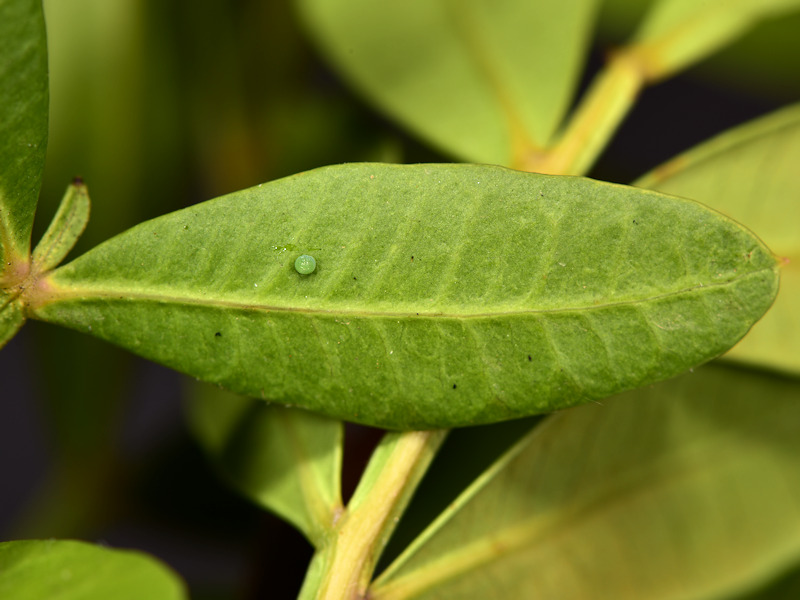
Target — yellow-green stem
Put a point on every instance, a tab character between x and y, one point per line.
362	532
601	111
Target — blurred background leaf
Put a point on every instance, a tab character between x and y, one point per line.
764	61
684	489
287	460
677	33
484	81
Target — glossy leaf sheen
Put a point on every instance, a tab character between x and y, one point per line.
70	570
444	295
484	80
23	122
750	174
685	490
287	460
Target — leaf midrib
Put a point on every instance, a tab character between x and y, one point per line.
48	293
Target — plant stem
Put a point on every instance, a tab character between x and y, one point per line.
343	568
597	117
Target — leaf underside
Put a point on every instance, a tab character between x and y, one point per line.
444	295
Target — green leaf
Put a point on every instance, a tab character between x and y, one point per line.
11	318
685	490
23	124
484	81
65	229
70	570
750	174
444	295
678	33
287	460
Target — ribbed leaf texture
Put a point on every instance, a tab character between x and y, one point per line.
444	295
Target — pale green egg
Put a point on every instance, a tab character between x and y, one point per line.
305	264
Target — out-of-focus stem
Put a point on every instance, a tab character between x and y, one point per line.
594	122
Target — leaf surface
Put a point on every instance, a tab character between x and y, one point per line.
677	33
70	570
485	81
443	295
750	174
287	460
23	123
687	489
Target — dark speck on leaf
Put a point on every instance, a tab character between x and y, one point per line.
454	386
354	279
412	258
634	222
530	358
218	334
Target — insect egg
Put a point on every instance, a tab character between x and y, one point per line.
305	264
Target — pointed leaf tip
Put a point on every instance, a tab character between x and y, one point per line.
750	174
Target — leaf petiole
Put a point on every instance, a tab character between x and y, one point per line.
343	568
